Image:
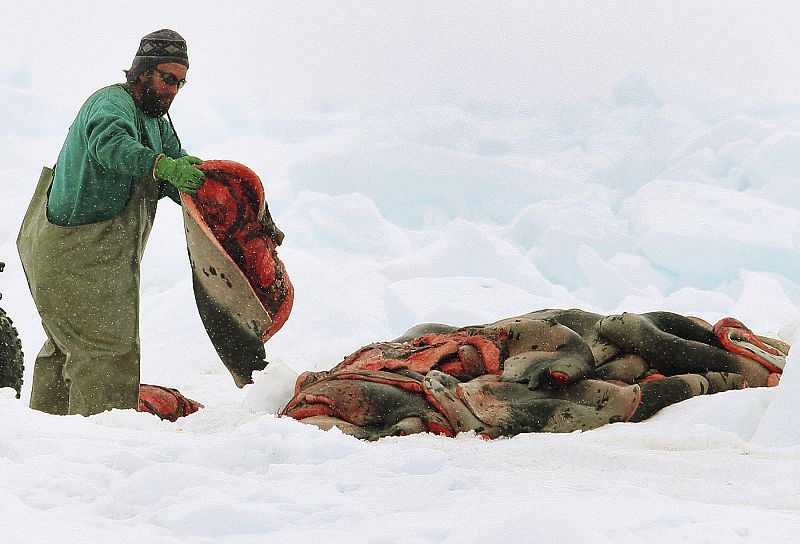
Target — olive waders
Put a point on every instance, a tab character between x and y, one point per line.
85	283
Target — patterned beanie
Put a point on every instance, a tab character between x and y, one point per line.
157	48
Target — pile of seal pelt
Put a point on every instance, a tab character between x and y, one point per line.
547	371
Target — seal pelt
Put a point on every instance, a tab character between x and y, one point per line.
242	290
545	371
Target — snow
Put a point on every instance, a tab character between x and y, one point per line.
432	162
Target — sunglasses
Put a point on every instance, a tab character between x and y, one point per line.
171	79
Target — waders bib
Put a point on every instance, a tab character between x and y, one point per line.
85	283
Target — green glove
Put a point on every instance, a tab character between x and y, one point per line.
180	172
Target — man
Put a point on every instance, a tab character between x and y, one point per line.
84	233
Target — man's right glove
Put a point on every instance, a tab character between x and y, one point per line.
180	172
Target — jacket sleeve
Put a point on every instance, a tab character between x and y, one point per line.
112	137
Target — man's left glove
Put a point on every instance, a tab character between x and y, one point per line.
180	172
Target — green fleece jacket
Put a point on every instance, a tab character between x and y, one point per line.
110	146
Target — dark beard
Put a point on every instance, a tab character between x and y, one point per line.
151	101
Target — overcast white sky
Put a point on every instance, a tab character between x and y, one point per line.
360	53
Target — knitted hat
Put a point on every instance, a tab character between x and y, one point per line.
157	48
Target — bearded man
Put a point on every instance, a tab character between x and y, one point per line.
85	231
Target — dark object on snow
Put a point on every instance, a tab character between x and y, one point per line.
11	358
546	371
165	402
242	291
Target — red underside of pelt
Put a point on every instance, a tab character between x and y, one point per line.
231	202
165	402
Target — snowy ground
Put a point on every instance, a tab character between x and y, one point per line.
412	189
